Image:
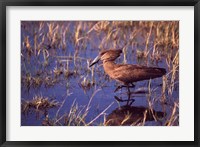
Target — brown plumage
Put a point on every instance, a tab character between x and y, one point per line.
126	73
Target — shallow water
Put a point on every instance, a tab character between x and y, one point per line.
74	83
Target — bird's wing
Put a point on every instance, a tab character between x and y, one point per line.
125	73
131	73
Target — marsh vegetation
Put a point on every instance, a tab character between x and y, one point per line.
58	88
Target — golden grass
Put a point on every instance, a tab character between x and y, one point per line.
38	104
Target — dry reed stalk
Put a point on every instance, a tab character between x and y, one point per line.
91	98
174	70
35	43
144	118
147	39
103	112
164	86
173	116
150	103
126	118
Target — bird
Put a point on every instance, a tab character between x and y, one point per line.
126	74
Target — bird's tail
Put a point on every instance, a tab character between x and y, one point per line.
160	71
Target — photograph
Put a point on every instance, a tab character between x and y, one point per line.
99	73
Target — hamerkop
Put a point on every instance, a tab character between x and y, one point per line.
126	73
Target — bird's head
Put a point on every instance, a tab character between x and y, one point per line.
107	55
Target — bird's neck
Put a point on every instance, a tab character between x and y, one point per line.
109	66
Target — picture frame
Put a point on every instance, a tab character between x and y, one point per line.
3	75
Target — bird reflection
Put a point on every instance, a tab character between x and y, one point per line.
131	115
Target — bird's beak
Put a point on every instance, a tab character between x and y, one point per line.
96	60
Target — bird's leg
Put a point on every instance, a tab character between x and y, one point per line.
126	85
132	85
119	87
128	89
129	94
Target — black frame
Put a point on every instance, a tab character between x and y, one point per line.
4	3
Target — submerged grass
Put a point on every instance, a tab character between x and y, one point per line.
39	105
